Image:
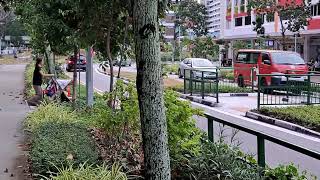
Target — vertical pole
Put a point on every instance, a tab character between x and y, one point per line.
217	86
295	43
288	86
309	90
191	83
78	59
252	79
202	85
261	151
184	81
210	129
259	90
89	78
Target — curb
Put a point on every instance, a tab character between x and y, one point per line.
198	100
125	80
281	123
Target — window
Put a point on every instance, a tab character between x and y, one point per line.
253	58
242	57
265	57
238	21
315	10
247	20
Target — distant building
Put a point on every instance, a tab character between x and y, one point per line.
238	26
215	18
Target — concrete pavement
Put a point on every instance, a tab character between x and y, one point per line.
12	112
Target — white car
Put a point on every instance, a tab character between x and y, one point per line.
198	65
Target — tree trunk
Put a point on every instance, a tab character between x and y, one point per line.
110	58
124	45
283	33
74	83
150	90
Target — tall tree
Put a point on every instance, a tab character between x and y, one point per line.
192	15
293	16
150	89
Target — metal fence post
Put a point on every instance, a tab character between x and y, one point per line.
191	83
217	85
261	151
252	79
309	90
184	82
210	129
259	90
288	86
202	85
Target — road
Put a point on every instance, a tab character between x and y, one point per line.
275	154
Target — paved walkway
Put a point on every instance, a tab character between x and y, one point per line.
12	113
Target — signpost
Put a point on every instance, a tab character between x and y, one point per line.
89	78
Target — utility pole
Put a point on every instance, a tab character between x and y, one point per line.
89	78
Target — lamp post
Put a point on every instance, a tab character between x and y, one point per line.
295	41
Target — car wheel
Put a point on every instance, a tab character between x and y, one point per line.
240	81
179	74
68	70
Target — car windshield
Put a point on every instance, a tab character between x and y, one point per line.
202	63
287	58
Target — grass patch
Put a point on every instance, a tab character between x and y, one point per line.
59	144
306	116
49	112
9	59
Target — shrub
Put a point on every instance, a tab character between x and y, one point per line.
182	131
51	112
217	161
233	89
28	81
285	172
86	172
307	116
58	144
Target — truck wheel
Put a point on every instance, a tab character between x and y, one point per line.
240	81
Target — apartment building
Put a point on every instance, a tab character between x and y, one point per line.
215	17
239	26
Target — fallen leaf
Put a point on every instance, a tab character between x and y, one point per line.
70	157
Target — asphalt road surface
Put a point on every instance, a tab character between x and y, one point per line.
275	154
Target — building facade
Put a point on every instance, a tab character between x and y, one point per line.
239	26
215	17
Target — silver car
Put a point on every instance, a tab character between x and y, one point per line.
197	65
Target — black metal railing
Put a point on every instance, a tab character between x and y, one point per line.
288	89
261	137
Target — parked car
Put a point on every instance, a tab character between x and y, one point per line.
268	62
197	64
81	63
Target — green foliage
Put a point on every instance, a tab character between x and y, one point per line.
218	161
28	90
182	130
192	16
59	144
293	16
170	69
86	172
307	116
284	173
205	48
122	117
226	74
51	112
233	89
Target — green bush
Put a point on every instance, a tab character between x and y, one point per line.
182	131
233	89
28	81
307	116
217	161
285	173
51	112
59	144
86	172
